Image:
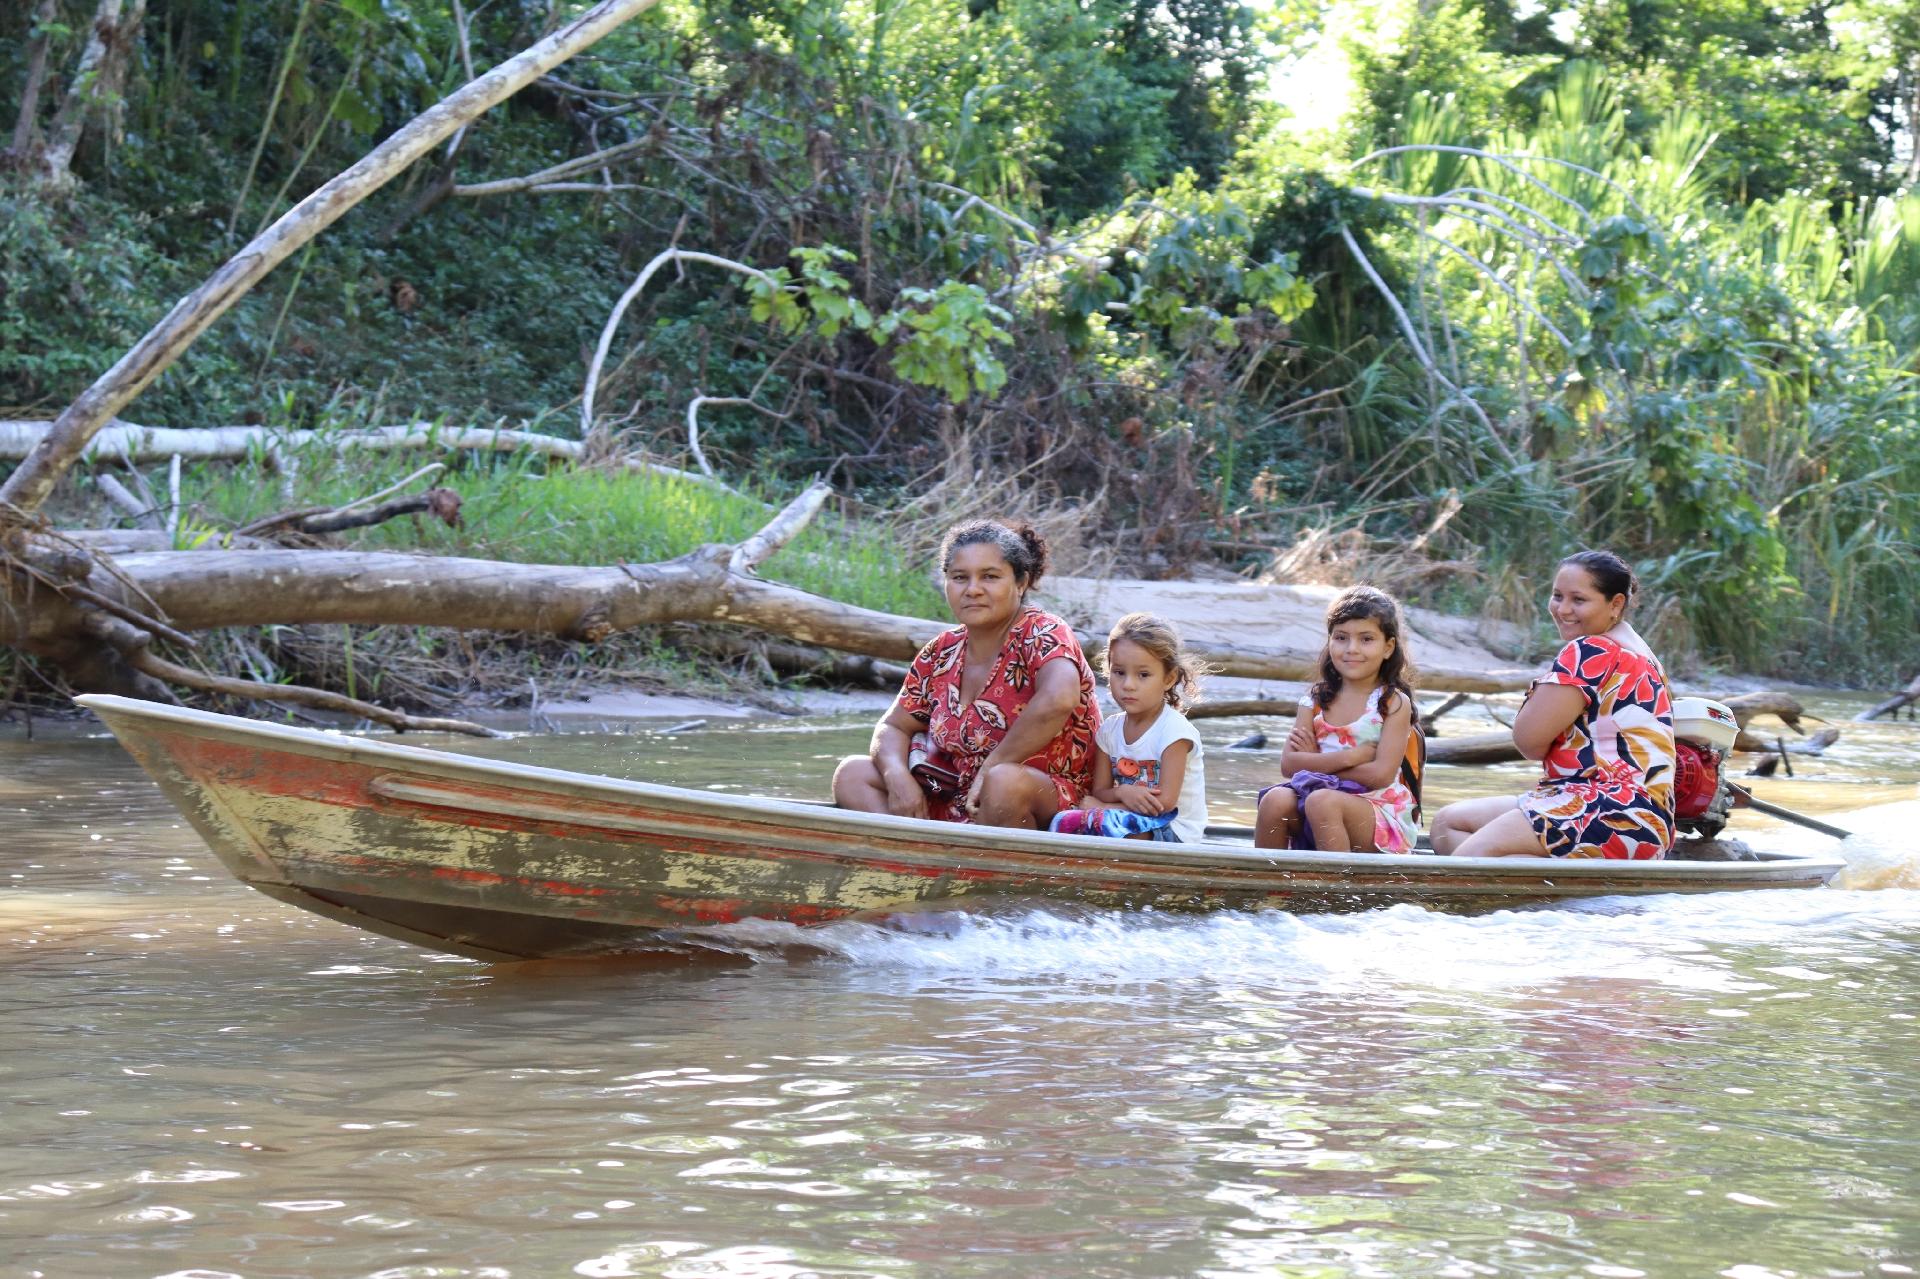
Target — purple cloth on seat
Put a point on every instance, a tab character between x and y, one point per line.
1303	784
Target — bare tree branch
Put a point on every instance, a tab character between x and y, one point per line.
1420	352
780	530
31	483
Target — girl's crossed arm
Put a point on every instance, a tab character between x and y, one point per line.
1148	801
1102	793
1303	753
1378	772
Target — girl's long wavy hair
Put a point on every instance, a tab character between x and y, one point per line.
1368	603
1159	637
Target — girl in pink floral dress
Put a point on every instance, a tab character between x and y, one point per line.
1343	757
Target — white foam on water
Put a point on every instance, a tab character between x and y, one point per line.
1884	850
1681	941
1674	941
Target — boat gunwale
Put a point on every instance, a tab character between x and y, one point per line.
815	818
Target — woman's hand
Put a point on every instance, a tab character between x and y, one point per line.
1144	800
1301	738
905	798
973	787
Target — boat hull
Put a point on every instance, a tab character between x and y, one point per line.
503	861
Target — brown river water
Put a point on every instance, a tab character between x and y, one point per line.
198	1081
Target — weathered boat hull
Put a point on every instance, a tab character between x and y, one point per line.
507	861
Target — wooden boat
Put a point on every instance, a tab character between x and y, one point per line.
503	861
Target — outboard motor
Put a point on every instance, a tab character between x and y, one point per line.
1703	733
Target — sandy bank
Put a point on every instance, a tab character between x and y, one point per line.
1229	613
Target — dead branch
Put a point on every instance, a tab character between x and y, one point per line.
1420	351
442	504
693	421
1906	697
1754	744
141	513
626	300
132	443
1234	708
31	483
150	663
783	528
545	178
130	615
1478	748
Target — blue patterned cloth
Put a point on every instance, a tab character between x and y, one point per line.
1116	823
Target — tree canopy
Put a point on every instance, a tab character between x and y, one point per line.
1478	277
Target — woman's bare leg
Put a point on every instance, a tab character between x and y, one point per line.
1454	823
1341	823
1015	795
1273	823
857	785
1509	835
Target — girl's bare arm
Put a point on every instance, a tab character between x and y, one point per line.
1307	757
1379	772
1102	788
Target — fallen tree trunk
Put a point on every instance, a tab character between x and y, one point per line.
1478	748
1229	708
208	589
135	444
1784	707
201	590
1908	697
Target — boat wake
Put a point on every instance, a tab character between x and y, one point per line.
1676	941
1885	849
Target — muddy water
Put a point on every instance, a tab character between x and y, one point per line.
195	1080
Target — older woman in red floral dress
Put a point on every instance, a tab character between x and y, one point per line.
995	720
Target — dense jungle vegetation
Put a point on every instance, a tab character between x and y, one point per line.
1429	290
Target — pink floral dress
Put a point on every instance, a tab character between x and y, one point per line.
1608	784
959	737
1395	828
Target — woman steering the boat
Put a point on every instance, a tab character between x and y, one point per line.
1601	724
995	721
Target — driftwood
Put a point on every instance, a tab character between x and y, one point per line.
1479	748
1784	707
1907	697
1753	743
185	592
1225	709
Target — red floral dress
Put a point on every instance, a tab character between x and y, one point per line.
960	737
1608	784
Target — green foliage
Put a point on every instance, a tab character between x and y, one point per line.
1070	231
944	338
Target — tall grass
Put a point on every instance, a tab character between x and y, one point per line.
515	507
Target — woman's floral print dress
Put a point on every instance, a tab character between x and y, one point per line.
1394	826
960	737
1608	784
